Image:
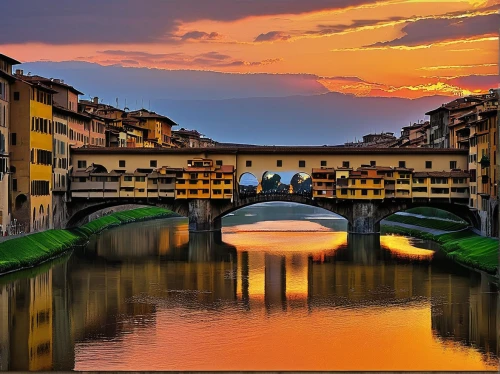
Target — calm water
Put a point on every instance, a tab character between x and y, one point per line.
290	292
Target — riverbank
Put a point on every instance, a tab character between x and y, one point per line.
464	247
34	249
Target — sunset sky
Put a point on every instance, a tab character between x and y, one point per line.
404	48
392	48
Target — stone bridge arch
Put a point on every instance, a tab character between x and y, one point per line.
78	212
363	216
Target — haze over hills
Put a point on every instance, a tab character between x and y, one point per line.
240	108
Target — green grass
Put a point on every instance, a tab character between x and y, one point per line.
33	249
428	222
464	247
433	212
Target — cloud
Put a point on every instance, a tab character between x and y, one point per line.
272	36
428	31
366	24
435	86
208	60
145	21
476	82
201	35
323	29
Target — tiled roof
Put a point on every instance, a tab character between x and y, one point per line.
286	150
226	168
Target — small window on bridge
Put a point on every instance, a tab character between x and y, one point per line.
121	163
218	162
428	164
453	164
153	163
248	163
345	164
82	164
364	192
402	164
279	163
323	163
302	164
373	163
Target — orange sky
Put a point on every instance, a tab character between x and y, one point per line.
402	48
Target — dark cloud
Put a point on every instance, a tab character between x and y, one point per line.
119	21
272	36
428	31
208	60
476	81
201	35
332	29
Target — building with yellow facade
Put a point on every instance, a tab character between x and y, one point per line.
31	147
6	80
159	127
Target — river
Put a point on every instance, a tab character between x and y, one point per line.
283	288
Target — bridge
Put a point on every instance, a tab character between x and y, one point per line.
362	185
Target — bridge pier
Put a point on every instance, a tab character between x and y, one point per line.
202	217
363	218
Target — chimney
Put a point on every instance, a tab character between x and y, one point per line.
19	72
95	100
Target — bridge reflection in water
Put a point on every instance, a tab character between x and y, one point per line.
152	296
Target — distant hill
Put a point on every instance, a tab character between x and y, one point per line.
239	108
329	119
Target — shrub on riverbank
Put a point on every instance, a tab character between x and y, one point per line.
465	247
437	224
33	249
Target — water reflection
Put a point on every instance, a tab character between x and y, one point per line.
149	296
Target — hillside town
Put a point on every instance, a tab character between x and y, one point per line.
42	119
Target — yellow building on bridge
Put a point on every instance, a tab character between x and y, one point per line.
214	174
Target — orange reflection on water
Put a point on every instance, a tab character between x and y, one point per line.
294	247
401	246
375	338
255	237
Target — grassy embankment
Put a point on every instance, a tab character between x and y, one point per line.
34	249
464	247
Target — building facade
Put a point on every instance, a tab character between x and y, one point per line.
6	81
31	147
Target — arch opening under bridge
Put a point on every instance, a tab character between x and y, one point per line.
364	216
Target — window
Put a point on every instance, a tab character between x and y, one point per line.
363	181
279	163
127	178
121	163
16	96
323	163
13	138
153	163
472	173
82	164
376	192
248	163
218	162
453	164
428	164
302	164
14	184
345	164
364	192
402	164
